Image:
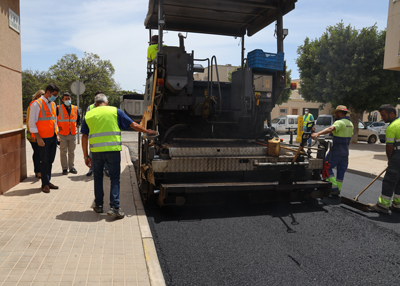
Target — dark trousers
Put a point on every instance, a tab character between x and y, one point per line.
391	181
91	167
47	155
36	156
113	160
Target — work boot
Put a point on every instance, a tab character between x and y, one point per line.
116	213
89	173
377	208
334	193
54	187
394	208
97	208
73	170
46	189
65	172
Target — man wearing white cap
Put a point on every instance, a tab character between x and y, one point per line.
342	130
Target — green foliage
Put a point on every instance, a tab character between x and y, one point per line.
285	95
95	73
345	66
32	81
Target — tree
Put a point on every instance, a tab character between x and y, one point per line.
95	73
32	81
345	66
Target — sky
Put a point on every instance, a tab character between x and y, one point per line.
115	31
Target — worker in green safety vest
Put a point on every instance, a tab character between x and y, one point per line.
307	117
90	172
101	131
338	155
391	181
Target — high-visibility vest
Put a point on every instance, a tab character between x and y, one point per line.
104	132
306	119
30	136
67	123
46	123
91	106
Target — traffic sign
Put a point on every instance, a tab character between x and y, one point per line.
78	87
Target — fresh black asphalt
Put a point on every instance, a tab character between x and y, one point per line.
320	242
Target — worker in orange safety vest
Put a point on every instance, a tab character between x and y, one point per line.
67	119
43	125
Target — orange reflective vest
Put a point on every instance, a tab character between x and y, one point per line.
67	123
46	123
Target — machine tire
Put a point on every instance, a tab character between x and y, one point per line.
372	139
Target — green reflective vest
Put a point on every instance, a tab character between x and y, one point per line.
306	119
91	107
104	132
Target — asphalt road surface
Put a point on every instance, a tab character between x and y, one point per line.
319	242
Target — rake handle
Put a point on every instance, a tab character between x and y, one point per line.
376	178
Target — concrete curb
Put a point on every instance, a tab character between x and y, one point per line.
153	265
364	174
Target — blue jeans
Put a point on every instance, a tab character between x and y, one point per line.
47	155
309	139
91	167
113	159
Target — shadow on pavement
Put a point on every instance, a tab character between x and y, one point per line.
23	192
368	147
81	178
88	216
380	157
84	216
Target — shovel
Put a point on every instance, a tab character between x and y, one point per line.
355	203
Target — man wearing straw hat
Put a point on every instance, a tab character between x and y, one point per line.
342	130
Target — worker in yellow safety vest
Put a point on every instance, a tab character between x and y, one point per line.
307	117
43	125
101	130
90	172
67	119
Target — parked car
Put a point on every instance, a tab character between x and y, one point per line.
382	133
366	134
324	121
374	125
281	123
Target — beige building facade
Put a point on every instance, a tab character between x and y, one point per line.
12	132
223	72
296	105
392	45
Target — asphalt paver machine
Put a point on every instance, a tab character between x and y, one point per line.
211	136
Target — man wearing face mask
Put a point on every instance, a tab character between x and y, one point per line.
67	119
42	123
307	117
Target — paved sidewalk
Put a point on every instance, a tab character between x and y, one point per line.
57	239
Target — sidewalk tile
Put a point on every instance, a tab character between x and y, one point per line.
57	239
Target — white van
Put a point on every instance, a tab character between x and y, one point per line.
281	123
324	121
